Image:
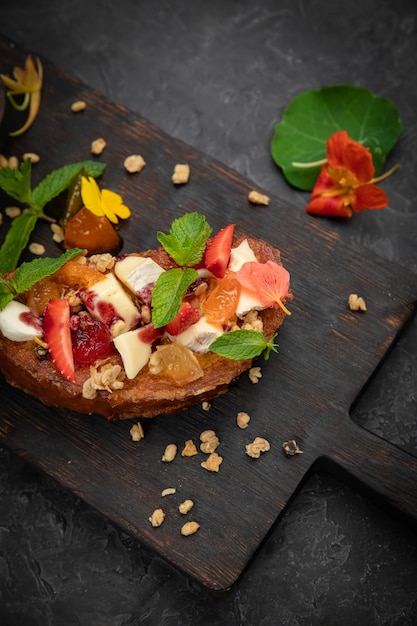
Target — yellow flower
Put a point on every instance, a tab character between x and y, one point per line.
27	82
105	202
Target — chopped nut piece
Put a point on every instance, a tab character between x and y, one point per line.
134	163
252	321
213	462
356	303
35	158
169	491
101	262
189	528
4	161
242	419
57	233
12	211
78	106
291	448
181	174
37	248
209	441
189	448
157	517
186	506
255	374
136	432
100	380
98	146
170	453
258	445
206	406
258	198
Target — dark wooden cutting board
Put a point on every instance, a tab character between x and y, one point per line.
327	354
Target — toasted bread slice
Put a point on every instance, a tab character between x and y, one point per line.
145	395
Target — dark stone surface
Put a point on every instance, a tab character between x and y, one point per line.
219	75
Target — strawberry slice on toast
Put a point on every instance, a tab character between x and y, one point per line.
58	336
217	254
186	316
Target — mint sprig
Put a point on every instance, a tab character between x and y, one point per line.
243	344
32	272
168	293
17	184
187	239
185	244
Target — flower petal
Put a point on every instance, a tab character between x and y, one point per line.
91	196
345	152
369	197
270	281
329	206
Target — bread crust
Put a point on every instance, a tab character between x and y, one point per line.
146	395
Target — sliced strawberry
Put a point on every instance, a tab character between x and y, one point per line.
186	316
149	333
58	336
217	253
90	338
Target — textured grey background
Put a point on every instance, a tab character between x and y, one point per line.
219	75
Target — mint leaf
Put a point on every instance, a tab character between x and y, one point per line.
16	239
33	271
168	293
6	294
16	182
242	344
187	239
313	116
58	180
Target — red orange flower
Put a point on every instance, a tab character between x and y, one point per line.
270	281
346	183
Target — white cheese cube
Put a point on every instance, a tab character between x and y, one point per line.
199	336
137	273
108	302
135	353
240	255
17	323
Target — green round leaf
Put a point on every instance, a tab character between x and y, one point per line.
313	116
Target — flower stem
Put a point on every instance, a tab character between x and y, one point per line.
384	176
311	164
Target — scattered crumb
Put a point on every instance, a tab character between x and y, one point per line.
98	146
258	445
356	303
206	406
157	517
189	528
209	441
291	448
37	248
78	106
181	174
170	453
35	158
134	163
255	374
136	432
213	462
189	448
242	419
57	233
4	161
13	163
12	211
258	198
169	491
185	507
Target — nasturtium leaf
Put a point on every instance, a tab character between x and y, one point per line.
313	116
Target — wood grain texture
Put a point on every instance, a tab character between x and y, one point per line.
326	356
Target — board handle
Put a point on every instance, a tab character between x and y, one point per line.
383	471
